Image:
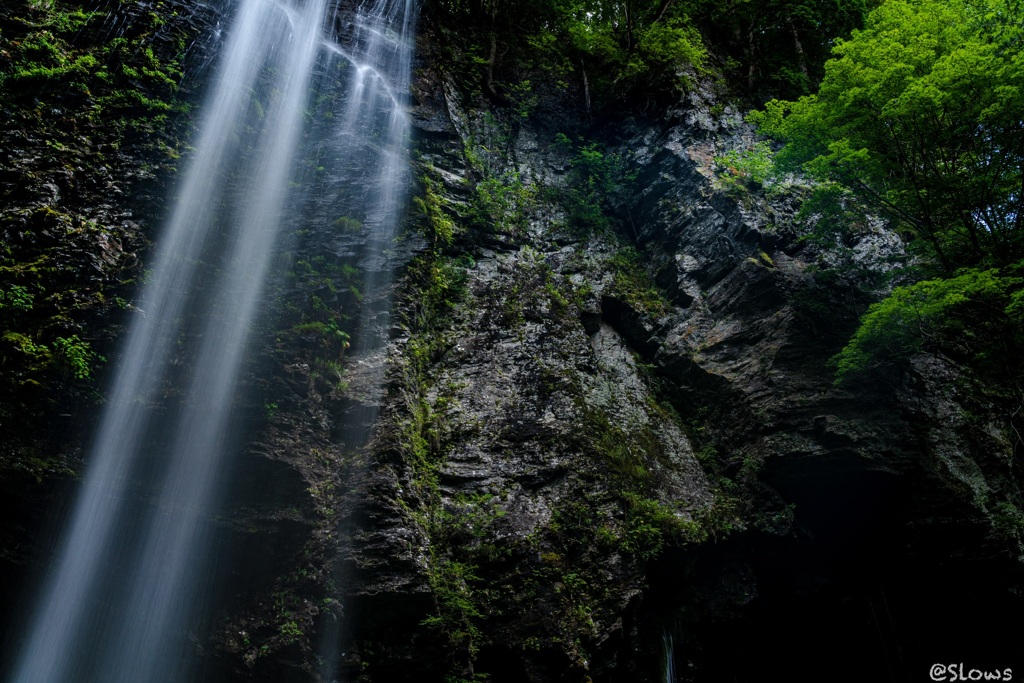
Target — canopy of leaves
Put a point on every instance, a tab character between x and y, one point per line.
614	52
776	48
608	50
976	317
628	45
919	116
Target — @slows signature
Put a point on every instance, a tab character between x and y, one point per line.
960	672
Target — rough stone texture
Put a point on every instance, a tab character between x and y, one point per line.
848	509
495	434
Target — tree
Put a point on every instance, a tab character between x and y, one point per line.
611	48
919	116
975	317
777	46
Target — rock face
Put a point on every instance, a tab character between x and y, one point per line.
602	434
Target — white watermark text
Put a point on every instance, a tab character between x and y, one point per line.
962	672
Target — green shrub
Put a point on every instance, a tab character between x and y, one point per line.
16	297
77	356
437	225
753	165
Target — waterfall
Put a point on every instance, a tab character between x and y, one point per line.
668	647
127	587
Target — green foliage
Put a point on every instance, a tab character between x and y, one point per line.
832	213
610	49
437	225
595	176
290	631
328	330
443	283
121	82
524	99
77	356
347	224
316	313
776	48
440	288
458	613
919	117
458	534
37	357
666	48
607	53
976	317
918	120
61	65
631	46
743	171
91	111
754	165
633	284
73	356
648	524
17	297
502	202
1008	521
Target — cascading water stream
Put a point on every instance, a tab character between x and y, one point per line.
127	584
668	647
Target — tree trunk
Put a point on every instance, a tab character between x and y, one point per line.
752	67
629	26
586	88
800	56
661	11
492	57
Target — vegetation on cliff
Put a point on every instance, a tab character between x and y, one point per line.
629	54
918	117
918	120
91	112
